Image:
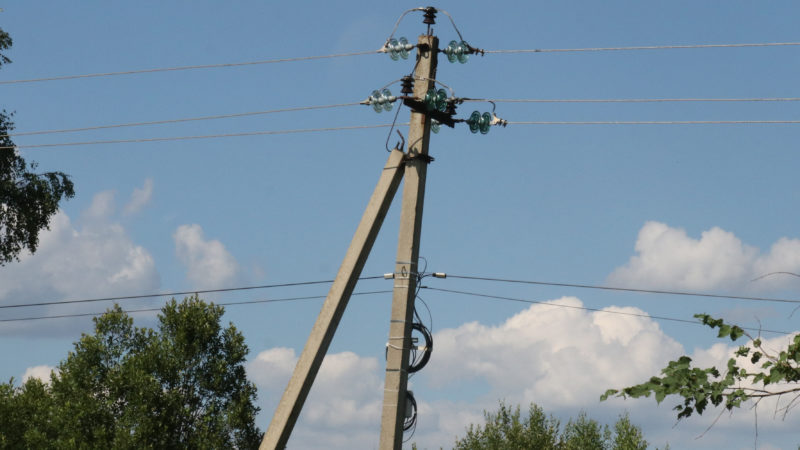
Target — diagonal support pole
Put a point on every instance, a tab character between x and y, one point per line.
319	340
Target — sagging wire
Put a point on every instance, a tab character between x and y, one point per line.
410	423
469	49
421	355
402	141
451	21
397	24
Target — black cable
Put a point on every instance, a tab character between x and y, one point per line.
411	421
417	365
170	294
614	288
540	302
246	302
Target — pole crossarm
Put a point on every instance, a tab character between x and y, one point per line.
288	410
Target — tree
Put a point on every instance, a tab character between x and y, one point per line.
507	429
180	386
27	200
754	373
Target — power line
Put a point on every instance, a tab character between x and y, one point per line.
659	122
131	311
172	294
643	47
208	136
622	289
339	105
362	127
178	68
630	100
513	299
187	119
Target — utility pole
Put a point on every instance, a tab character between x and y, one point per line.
280	428
406	265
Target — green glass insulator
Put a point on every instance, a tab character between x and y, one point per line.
474	121
463	52
392	46
435	125
375	101
386	99
450	51
441	100
402	50
485	123
430	99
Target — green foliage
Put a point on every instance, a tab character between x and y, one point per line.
585	433
180	386
26	415
628	436
5	44
508	429
700	387
27	200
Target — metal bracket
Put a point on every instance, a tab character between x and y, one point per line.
445	118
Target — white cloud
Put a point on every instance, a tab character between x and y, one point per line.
560	358
139	198
208	263
94	259
667	258
554	356
344	406
102	206
40	372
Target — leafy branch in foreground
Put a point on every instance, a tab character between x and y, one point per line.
28	200
743	379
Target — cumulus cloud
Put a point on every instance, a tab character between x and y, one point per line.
40	372
553	354
94	259
139	198
343	408
102	206
667	258
557	357
208	263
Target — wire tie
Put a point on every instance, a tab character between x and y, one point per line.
397	321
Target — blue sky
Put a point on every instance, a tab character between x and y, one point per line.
687	207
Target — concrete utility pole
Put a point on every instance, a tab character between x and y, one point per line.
405	281
280	428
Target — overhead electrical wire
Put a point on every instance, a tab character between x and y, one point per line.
363	127
194	67
629	100
174	293
341	105
558	305
207	136
655	122
185	119
644	47
624	289
131	311
368	52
